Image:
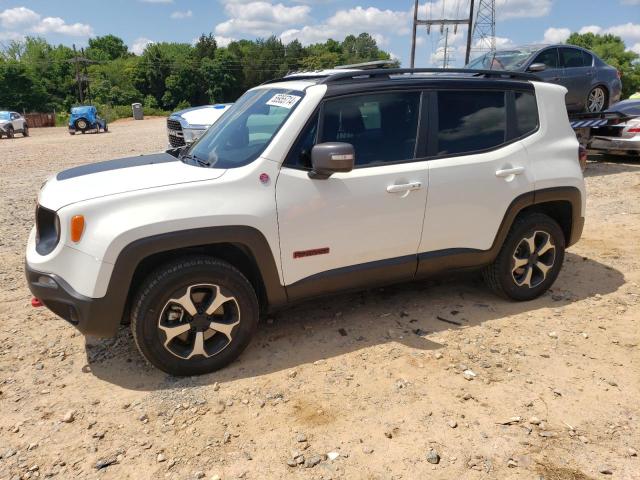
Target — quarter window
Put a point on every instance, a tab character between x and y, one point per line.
548	57
526	113
381	127
470	121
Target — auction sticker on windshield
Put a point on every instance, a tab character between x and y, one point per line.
283	100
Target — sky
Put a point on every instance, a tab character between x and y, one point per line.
139	22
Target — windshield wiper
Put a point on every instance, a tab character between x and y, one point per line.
199	161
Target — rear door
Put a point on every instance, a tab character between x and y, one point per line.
478	168
577	76
355	227
17	121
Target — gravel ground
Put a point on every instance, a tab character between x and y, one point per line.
361	386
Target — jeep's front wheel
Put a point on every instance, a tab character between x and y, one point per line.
194	316
530	259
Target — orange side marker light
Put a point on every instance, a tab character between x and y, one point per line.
77	227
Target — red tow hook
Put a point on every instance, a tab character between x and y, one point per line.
36	302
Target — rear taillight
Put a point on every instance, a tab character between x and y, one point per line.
582	157
619	74
634	130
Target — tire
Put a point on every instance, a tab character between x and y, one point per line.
10	132
81	124
597	100
106	128
508	280
25	130
167	335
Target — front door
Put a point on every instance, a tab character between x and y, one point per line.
359	227
550	58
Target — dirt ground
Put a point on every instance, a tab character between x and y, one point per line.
364	386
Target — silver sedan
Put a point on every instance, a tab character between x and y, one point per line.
620	139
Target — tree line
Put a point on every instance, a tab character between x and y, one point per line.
38	76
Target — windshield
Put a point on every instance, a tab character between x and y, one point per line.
245	129
5	116
502	59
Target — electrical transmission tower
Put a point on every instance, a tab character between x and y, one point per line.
442	23
484	28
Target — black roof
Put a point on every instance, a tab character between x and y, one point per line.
406	78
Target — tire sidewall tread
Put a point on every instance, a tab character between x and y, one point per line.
166	279
498	274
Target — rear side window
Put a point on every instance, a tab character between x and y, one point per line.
470	121
572	58
382	127
526	113
548	57
587	58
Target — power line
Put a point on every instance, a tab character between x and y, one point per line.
442	22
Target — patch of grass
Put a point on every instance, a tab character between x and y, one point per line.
553	472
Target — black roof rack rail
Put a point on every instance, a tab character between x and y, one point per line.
387	72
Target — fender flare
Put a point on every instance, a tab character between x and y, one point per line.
134	253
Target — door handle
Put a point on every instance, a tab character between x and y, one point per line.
507	172
405	187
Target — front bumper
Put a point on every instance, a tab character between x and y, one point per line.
91	316
615	144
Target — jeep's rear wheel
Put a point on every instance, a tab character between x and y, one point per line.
530	259
194	316
25	130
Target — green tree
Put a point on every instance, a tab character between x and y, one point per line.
612	50
107	47
17	89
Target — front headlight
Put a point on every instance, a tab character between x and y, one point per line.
192	134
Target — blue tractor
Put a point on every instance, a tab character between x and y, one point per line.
85	119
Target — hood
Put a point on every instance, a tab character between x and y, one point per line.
113	177
204	116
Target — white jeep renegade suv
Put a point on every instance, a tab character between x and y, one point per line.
308	185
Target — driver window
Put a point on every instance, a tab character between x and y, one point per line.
548	57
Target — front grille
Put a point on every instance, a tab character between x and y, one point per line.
175	133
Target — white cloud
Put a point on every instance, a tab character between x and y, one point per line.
506	9
371	19
179	15
629	31
223	41
139	44
378	23
19	16
636	48
590	29
260	18
556	35
58	25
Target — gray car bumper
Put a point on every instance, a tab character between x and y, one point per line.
614	144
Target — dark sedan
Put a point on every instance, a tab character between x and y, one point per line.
592	84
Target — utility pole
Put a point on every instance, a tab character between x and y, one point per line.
469	30
442	23
445	60
82	77
78	81
484	28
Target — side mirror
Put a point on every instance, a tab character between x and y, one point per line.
537	67
331	157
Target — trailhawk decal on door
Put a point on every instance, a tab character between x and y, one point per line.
311	253
283	100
